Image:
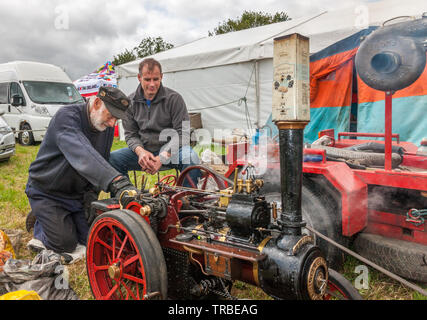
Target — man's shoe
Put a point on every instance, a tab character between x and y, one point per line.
30	221
78	254
36	245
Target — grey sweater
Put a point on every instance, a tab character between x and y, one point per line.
144	125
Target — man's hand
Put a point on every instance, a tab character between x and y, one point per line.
146	159
156	165
120	184
148	162
161	159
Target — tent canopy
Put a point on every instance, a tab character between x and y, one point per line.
323	29
228	77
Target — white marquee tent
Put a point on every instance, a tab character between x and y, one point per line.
214	74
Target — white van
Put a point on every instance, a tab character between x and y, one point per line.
30	94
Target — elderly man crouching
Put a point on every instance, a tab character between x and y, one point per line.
73	159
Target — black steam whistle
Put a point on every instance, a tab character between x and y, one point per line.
293	260
393	56
390	59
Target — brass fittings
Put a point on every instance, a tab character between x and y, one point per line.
249	185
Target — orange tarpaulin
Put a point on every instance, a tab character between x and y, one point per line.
331	80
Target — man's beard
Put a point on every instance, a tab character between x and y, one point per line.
96	119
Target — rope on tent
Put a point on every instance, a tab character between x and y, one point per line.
238	101
248	117
219	105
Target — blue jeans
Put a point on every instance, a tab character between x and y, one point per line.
124	160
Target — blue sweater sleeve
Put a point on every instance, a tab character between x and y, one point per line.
81	155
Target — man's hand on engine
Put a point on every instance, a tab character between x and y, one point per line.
120	184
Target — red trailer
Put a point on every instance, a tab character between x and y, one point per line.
383	210
376	206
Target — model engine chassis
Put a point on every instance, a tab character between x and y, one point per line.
185	243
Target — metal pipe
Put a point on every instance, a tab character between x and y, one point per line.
236	172
229	239
388	130
207	206
291	157
257	95
179	188
368	134
219	215
291	113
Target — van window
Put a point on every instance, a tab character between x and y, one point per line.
3	93
52	92
15	89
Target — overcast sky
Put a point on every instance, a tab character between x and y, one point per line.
81	35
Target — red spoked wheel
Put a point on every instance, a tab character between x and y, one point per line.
209	179
170	180
124	259
339	288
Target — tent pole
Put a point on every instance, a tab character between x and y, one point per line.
257	95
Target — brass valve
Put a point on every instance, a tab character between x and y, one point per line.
239	185
249	185
154	191
129	193
274	208
259	183
224	199
145	211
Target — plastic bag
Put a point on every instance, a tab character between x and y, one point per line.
6	249
19	271
15	236
4	256
6	244
44	275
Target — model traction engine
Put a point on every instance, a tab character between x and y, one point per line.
192	243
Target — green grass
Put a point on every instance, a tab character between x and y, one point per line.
14	204
14	207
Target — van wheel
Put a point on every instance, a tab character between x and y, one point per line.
26	137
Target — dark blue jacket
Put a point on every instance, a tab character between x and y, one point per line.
73	156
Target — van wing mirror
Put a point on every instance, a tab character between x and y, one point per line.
17	100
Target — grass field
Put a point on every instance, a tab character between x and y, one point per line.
14	207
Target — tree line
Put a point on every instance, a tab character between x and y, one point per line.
249	19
